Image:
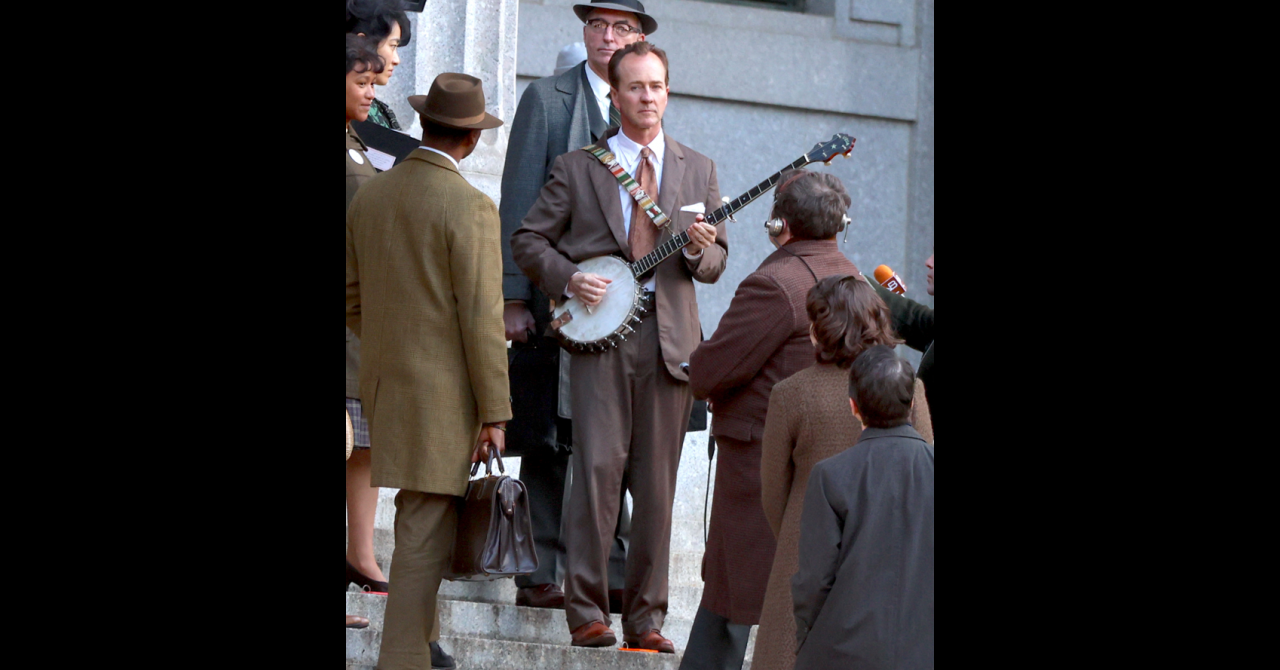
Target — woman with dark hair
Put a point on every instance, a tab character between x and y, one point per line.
363	66
386	24
809	420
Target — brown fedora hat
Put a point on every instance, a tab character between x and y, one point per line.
647	23
455	101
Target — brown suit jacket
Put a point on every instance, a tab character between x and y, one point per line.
578	216
763	337
424	294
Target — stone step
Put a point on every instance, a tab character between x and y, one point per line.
682	601
476	653
504	621
508	622
685	568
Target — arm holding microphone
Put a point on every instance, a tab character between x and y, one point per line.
912	321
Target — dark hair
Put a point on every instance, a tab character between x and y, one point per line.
438	132
882	385
362	54
813	204
640	49
848	318
374	18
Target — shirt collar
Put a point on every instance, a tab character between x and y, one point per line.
630	150
598	86
451	160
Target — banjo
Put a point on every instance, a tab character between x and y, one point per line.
608	323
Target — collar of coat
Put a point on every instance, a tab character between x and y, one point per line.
431	157
353	137
905	430
805	248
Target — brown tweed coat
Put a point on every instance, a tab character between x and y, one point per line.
424	295
809	420
762	339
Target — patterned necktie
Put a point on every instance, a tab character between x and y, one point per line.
615	117
643	233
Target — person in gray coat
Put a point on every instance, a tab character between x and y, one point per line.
863	594
556	114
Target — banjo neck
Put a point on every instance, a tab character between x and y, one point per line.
840	144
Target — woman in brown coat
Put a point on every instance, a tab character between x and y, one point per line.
809	420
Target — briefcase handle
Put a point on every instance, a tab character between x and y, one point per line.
488	467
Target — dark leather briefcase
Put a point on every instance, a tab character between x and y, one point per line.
495	534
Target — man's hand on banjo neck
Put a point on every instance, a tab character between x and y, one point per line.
701	235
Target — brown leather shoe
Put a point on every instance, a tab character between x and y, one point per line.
594	634
543	595
652	640
615	601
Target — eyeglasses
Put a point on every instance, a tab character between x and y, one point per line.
620	28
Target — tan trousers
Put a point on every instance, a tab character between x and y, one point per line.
425	527
629	419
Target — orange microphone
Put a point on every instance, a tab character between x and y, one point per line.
890	279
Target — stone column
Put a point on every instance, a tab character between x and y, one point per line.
475	37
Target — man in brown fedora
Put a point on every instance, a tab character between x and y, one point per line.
433	378
556	114
631	403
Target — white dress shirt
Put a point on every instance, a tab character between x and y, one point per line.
600	88
451	158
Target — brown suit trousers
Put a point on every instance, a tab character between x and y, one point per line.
629	434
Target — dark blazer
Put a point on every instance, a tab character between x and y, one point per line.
863	593
914	323
556	115
579	216
809	421
358	172
763	337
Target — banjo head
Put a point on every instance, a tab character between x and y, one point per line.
607	318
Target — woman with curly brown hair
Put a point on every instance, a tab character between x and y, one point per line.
809	420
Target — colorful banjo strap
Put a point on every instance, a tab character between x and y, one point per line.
642	199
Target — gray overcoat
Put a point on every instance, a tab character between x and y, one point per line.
864	592
556	115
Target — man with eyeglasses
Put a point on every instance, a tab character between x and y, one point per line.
556	114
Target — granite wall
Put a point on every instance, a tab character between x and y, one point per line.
755	88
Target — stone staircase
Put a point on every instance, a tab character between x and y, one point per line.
484	630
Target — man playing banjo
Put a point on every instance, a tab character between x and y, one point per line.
631	401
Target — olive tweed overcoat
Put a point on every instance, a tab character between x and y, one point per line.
424	294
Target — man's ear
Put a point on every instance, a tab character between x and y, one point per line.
854	406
